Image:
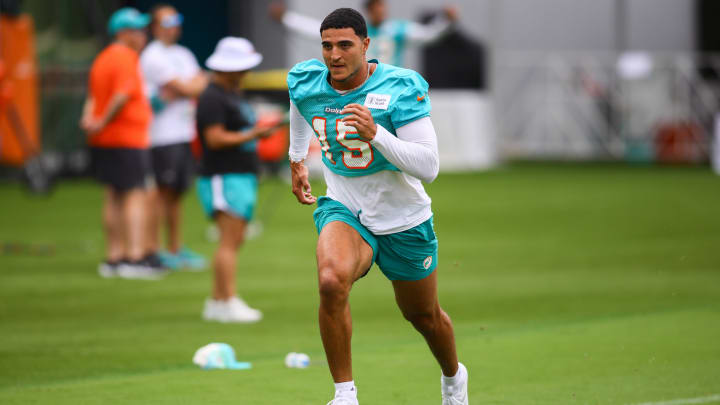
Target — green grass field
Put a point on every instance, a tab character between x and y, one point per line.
567	284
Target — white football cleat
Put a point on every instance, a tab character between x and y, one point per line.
232	310
455	394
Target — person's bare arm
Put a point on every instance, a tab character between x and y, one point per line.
92	125
116	104
87	112
425	33
217	137
187	88
306	26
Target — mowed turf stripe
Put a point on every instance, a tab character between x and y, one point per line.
502	367
686	401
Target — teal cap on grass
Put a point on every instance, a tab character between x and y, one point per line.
218	356
127	18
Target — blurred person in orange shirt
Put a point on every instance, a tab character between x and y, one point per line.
116	119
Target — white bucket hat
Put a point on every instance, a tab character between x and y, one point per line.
233	54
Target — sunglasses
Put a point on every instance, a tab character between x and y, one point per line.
172	21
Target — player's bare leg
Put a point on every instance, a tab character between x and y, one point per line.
419	304
343	256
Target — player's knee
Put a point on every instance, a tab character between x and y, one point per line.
332	287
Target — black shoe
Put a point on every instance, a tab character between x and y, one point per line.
153	260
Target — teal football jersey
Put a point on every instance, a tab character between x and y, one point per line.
394	96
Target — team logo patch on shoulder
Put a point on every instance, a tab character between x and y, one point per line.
378	101
427	262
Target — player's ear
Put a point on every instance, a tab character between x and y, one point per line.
366	44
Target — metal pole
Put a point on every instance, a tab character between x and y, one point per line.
620	26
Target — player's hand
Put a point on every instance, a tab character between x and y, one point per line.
361	119
301	184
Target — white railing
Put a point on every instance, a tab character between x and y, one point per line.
603	106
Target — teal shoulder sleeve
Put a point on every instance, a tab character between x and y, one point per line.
413	101
304	76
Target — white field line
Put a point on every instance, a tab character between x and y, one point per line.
700	400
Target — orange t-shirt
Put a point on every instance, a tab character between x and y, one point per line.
117	70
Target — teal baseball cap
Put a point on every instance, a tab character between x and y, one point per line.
127	18
219	356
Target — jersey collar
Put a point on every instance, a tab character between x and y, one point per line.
371	79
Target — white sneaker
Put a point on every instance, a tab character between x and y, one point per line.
140	271
232	310
108	270
343	401
455	394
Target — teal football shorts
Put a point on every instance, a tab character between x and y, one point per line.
233	193
408	255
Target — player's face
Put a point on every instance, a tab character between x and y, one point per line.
344	53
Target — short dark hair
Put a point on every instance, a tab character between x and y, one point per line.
345	18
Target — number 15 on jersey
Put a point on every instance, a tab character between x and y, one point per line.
356	153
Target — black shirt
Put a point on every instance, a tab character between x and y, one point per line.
219	106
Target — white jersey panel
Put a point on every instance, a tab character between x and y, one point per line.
386	202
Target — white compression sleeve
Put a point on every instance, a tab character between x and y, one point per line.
300	135
304	25
414	150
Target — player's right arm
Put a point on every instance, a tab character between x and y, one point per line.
300	136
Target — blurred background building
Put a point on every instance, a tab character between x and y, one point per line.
628	80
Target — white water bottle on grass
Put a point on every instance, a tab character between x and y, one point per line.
297	360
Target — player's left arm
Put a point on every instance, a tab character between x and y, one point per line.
414	150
